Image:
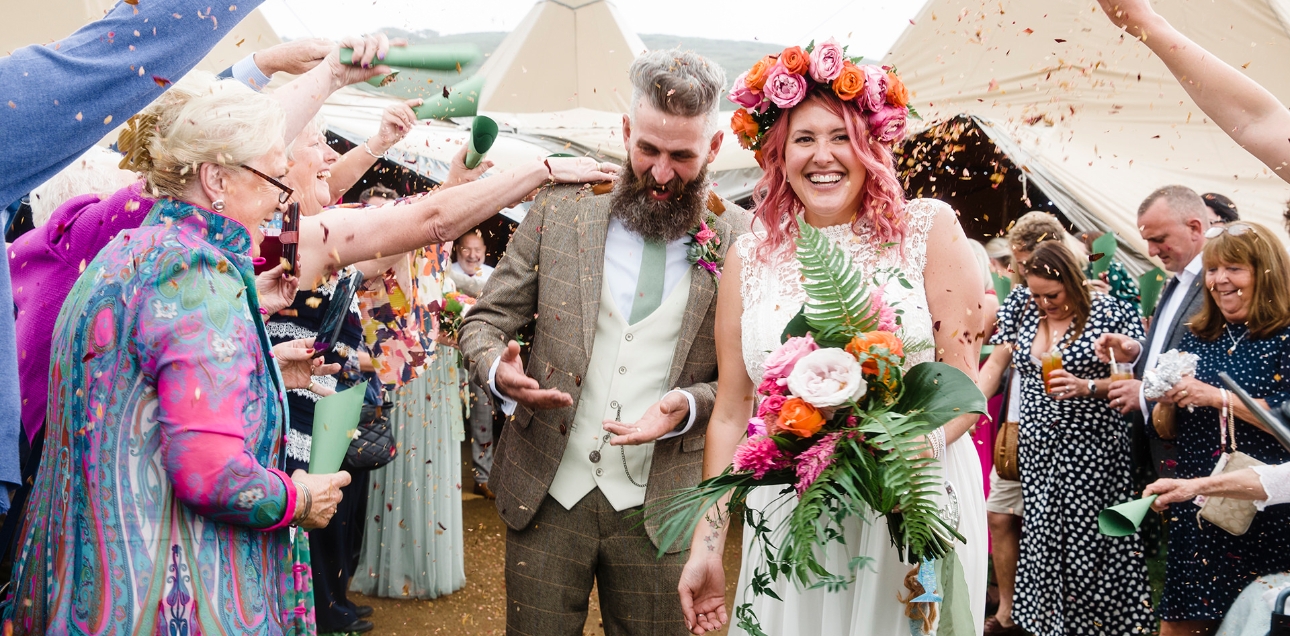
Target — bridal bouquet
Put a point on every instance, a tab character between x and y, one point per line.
455	306
840	426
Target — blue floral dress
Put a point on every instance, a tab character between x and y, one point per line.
159	506
1207	567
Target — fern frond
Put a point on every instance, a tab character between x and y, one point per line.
837	297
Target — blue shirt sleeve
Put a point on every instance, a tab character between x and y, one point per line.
59	99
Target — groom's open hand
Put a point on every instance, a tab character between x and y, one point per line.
512	383
659	419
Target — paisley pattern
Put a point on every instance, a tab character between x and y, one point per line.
159	507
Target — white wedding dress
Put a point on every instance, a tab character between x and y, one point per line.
772	295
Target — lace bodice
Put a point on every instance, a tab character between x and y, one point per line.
772	291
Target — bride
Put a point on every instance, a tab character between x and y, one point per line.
823	162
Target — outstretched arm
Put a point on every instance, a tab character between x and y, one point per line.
343	236
954	296
1246	111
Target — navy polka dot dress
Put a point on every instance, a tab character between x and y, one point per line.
1074	459
1207	567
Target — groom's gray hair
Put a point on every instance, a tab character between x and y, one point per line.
679	83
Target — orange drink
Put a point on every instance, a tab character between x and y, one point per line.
1050	361
1121	371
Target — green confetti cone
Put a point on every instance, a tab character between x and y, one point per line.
1124	519
335	419
483	132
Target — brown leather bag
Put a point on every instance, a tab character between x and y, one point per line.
1005	452
1162	419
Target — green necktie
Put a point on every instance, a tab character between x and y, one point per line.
649	285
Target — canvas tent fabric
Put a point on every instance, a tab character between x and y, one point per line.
1089	114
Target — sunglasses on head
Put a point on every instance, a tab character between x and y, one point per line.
1235	229
286	190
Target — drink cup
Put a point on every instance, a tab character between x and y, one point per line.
1050	361
1121	371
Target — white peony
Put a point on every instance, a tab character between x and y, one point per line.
826	378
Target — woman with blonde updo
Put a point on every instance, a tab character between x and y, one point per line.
161	504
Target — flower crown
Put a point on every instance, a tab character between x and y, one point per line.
779	82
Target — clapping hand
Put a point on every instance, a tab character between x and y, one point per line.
514	384
298	366
396	122
276	289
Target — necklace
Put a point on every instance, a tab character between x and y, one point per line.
1227	329
594	455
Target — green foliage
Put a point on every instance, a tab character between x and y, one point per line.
837	306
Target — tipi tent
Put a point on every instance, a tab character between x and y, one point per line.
1088	114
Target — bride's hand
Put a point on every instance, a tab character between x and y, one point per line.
703	593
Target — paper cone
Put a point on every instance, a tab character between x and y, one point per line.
1104	245
462	101
435	57
1150	285
335	419
1124	519
483	132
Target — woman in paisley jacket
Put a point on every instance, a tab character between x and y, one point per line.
161	505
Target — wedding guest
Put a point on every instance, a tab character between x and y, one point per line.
1119	283
377	195
1250	614
1073	456
469	271
1000	256
160	368
1251	115
470	274
1242	328
1221	209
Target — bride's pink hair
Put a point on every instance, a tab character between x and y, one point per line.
882	203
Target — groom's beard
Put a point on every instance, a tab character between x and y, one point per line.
663	221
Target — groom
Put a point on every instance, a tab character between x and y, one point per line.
624	345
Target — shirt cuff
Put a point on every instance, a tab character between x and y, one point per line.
248	73
507	404
1142	404
1276	483
689	421
291	501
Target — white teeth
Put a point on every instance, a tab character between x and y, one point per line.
825	178
325	174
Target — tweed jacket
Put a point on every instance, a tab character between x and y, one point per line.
552	274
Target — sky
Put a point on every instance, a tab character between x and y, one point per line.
870	27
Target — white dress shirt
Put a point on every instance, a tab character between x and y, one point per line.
1168	314
480	274
622	270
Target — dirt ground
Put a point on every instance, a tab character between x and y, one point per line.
479	608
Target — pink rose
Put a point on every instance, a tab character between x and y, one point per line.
756	426
771	386
742	95
787	89
888	124
826	61
874	95
827	378
781	361
704	234
770	405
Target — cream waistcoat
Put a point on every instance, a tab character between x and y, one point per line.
627	373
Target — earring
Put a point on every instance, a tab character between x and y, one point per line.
218	204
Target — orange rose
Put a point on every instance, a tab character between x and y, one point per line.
756	78
744	127
795	60
861	347
849	82
799	418
897	94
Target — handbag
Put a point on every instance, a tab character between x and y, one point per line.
374	445
1162	419
1005	440
1232	515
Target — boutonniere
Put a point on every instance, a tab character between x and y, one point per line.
704	250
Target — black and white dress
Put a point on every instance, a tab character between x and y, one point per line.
1074	459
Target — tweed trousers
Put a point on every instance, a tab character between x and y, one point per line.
552	564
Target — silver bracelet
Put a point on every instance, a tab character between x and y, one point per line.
309	503
936	439
369	151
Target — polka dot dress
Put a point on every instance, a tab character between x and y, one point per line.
1207	567
1074	460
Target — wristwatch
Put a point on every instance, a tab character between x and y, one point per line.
1092	388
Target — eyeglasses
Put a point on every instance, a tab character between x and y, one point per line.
286	191
1235	229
